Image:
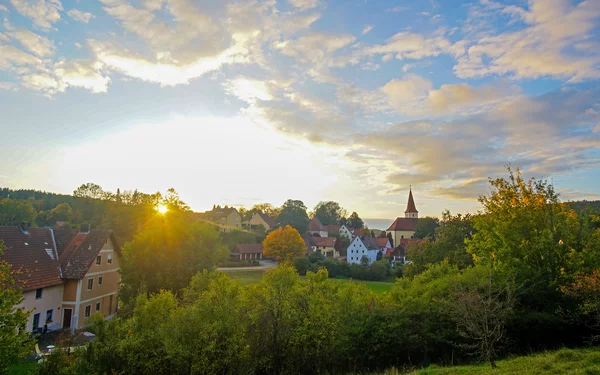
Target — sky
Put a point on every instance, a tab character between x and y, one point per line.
252	101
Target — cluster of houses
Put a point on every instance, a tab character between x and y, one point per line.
66	275
320	238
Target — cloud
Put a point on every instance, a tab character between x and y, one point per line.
540	49
80	16
3	8
34	43
449	98
314	47
596	129
42	82
43	13
408	45
304	4
82	73
249	90
407	89
13	59
367	29
4	38
8	86
397	9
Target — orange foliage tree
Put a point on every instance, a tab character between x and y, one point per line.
284	244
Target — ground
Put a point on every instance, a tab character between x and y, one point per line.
24	368
251	276
565	361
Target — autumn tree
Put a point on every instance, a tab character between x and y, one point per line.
284	244
14	341
586	289
426	227
329	212
293	213
355	221
13	212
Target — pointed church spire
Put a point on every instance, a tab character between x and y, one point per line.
411	209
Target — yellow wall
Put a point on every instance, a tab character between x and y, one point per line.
52	298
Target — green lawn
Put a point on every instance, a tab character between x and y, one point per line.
564	361
24	368
254	276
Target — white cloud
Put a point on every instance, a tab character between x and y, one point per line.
596	129
449	98
407	45
82	73
34	43
13	59
80	16
249	90
367	29
314	47
42	82
43	13
3	8
304	4
397	9
8	86
77	44
406	90
4	38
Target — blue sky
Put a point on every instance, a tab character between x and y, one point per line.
254	101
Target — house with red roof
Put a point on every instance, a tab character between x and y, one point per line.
365	246
247	252
66	275
324	245
405	227
316	228
262	219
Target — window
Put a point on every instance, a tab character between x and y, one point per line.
97	306
100	280
109	260
38	293
49	316
99	260
90	284
88	311
36	321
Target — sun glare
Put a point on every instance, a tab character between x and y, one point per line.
162	209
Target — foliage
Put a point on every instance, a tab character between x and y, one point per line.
236	236
13	212
329	212
293	213
426	227
355	221
586	289
284	244
166	253
14	341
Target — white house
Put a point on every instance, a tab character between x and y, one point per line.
346	232
364	246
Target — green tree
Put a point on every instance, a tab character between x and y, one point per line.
426	227
329	212
355	221
166	252
284	244
89	190
293	213
391	238
14	341
173	202
13	212
62	212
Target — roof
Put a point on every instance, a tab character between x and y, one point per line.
404	223
248	248
77	257
220	212
267	219
369	242
332	228
315	225
323	241
32	256
410	206
381	241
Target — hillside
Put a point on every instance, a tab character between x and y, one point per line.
564	361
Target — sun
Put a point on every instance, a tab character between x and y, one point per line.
162	209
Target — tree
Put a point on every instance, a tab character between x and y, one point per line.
355	221
481	313
173	202
89	190
365	232
586	289
267	209
391	238
329	212
426	227
62	212
13	212
284	244
14	341
293	213
166	252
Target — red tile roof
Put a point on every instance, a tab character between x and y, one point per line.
404	223
382	241
268	220
253	248
32	256
332	228
323	241
80	253
410	207
315	225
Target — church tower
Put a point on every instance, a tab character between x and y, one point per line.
411	209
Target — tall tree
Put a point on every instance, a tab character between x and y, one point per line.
426	227
14	341
62	212
89	190
355	221
284	244
329	212
293	213
267	209
13	212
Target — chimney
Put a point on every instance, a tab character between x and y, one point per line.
24	226
84	228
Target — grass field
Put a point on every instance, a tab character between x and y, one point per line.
24	368
564	361
254	276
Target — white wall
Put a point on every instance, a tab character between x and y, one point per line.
357	250
52	298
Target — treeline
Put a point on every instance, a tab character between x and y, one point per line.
377	271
